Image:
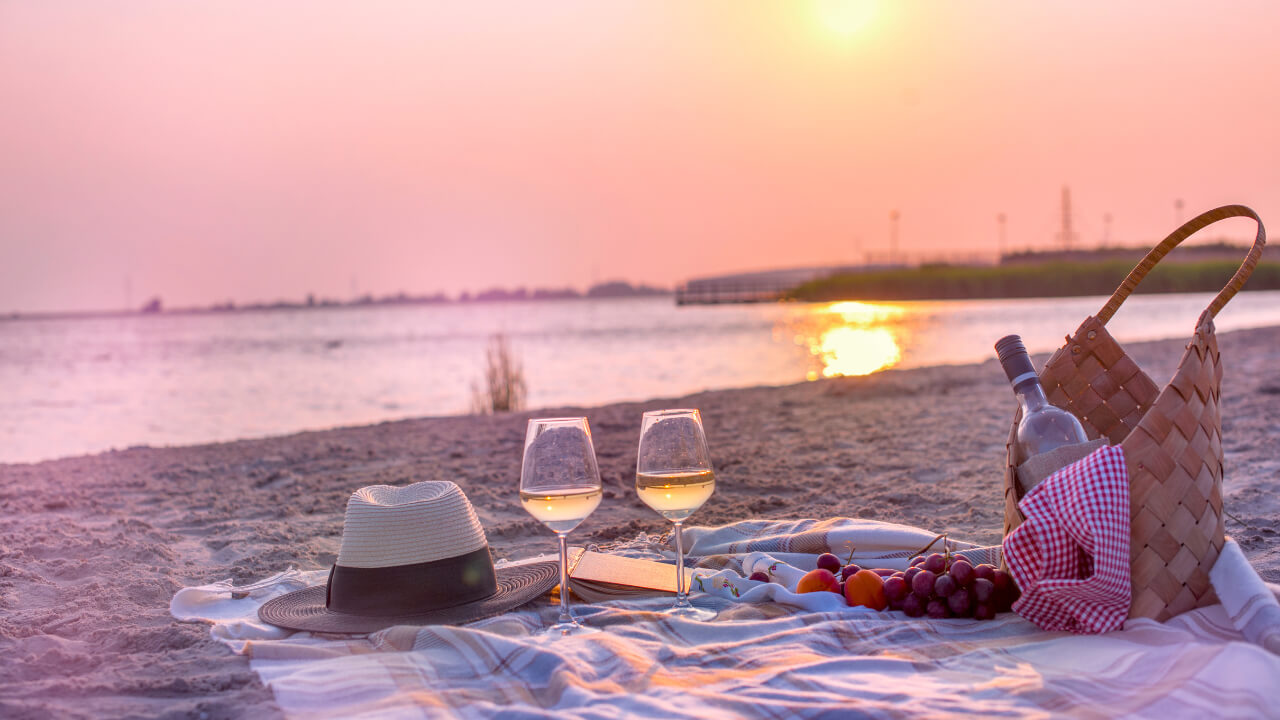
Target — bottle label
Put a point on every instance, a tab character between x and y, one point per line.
1024	377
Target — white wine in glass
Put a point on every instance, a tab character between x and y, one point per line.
674	476
562	510
560	487
676	495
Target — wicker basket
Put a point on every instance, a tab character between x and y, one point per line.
1172	438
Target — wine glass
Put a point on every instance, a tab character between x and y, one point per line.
560	487
674	476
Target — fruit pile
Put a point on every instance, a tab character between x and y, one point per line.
940	585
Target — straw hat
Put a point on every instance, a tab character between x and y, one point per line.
413	555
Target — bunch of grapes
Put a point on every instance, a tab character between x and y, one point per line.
943	586
940	586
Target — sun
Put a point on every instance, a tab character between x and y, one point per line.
846	17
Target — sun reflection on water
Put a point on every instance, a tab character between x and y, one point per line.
851	338
865	313
857	351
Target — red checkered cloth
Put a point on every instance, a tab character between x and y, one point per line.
1070	557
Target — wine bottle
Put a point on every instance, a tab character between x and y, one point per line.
1044	427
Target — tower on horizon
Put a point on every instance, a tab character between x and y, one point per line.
1066	236
893	236
1000	236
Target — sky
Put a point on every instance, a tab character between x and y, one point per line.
250	150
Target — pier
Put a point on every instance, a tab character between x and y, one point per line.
754	287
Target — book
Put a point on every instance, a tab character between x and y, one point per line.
596	576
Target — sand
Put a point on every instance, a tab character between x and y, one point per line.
92	548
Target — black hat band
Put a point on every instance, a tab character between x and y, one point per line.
411	589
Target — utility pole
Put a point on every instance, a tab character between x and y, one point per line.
893	236
1066	236
1000	237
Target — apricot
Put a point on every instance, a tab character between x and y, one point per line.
817	581
865	588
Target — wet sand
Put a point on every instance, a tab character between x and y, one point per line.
92	548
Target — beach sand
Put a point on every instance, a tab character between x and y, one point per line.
93	548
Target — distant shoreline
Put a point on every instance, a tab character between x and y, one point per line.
1017	281
489	296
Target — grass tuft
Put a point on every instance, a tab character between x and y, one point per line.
503	388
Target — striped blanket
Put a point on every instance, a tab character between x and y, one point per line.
767	654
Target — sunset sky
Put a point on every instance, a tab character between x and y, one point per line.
252	150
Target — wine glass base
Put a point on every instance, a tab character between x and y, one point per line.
568	629
689	612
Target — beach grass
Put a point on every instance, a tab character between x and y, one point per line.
503	388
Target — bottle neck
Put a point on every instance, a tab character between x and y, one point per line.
1030	394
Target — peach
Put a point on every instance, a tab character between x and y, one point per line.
865	588
817	581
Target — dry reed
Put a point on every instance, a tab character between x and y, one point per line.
503	388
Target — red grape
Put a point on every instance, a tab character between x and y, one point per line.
896	588
910	573
1004	591
944	586
960	558
983	611
984	571
937	609
935	563
827	561
848	570
962	573
983	590
1002	580
922	583
759	576
912	605
960	603
917	561
883	572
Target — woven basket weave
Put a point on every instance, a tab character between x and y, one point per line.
1172	437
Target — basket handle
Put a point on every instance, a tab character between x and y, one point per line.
1188	228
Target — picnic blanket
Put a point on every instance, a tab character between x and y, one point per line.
766	654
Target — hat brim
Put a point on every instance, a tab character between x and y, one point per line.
305	609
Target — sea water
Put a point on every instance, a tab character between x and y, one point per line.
79	385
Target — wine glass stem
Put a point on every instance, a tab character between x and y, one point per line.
682	593
565	617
